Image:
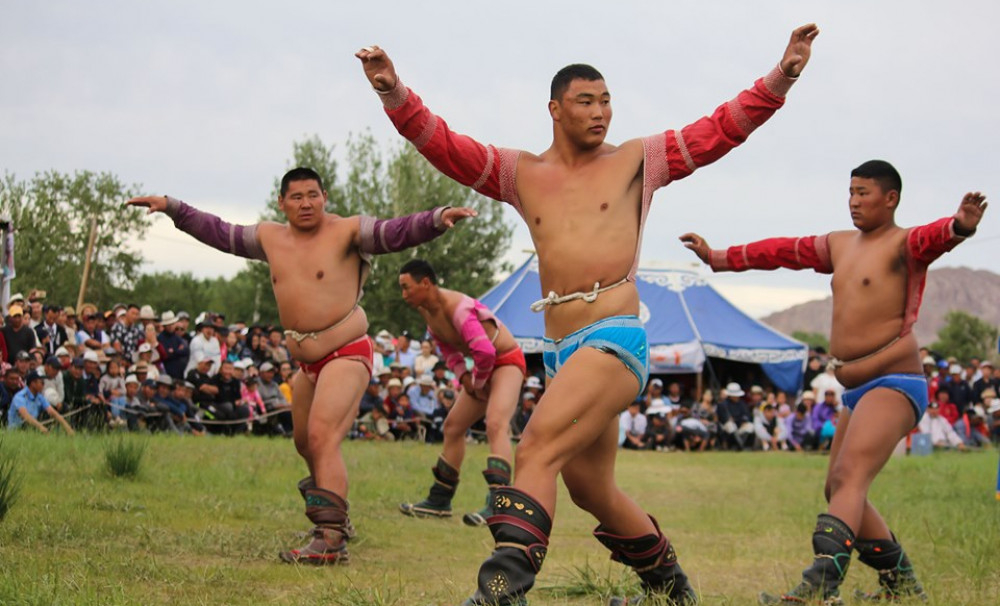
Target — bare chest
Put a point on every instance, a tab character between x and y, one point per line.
866	269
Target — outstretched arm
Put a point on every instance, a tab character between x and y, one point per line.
239	240
928	242
810	252
380	236
676	154
484	168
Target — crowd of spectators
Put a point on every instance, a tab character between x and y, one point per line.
130	368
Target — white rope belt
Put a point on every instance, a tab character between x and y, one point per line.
302	336
588	297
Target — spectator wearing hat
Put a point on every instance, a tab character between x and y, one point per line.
74	386
947	408
36	301
959	391
17	335
942	434
931	374
50	334
393	389
182	395
423	398
653	392
369	400
165	404
127	332
987	380
67	319
971	426
64	357
205	346
23	362
250	395
149	354
228	404
632	427
12	383
735	420
53	388
424	362
826	381
274	399
275	346
28	403
97	413
175	349
134	409
204	389
659	433
534	385
770	431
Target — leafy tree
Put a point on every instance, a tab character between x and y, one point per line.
388	183
176	292
812	339
965	336
52	216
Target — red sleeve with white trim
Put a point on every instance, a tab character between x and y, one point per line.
808	252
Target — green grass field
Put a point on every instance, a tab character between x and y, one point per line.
205	518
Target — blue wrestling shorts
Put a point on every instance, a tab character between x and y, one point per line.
914	387
621	336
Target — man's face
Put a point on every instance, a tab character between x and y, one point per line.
583	114
934	412
75	371
394	392
275	337
267	376
987	372
51	372
830	399
148	391
51	316
403	343
22	366
303	204
132	315
870	206
36	386
12	381
16	321
674	390
414	293
162	390
36	309
131	389
226	371
92	368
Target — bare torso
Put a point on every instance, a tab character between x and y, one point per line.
869	298
439	322
316	278
584	222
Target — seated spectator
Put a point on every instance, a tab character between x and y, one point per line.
706	413
67	319
971	427
674	398
285	371
17	334
275	347
377	427
654	391
64	357
28	403
959	393
939	429
275	402
250	395
523	414
632	427
423	399
164	403
155	414
371	398
692	434
799	429
90	335
658	434
769	430
822	419
135	411
993	419
54	390
445	397
534	385
735	421
425	360
440	373
946	407
23	361
12	383
393	389
403	420
112	388
228	405
986	381
182	395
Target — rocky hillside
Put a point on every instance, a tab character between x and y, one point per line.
973	291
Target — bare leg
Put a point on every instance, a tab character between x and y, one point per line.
302	397
873	526
334	407
505	386
576	411
461	417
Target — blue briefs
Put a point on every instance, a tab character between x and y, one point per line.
914	387
621	336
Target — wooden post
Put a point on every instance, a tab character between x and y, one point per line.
86	263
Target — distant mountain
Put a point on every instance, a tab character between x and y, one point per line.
976	292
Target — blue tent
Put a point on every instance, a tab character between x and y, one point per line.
685	318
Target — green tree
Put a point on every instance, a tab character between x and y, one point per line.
388	183
52	215
812	339
176	292
965	336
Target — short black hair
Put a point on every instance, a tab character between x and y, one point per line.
300	173
882	172
576	71
419	269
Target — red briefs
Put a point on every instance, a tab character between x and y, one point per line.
360	349
514	357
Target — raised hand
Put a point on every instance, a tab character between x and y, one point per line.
970	212
452	216
378	67
697	244
155	204
799	49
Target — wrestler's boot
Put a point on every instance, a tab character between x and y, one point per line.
521	528
497	474
328	511
832	543
308	482
438	501
654	560
895	572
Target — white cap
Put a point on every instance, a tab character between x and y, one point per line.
658	407
144	348
90	356
425	379
928	360
62	351
407	381
657	382
994	407
955	369
131	379
533	382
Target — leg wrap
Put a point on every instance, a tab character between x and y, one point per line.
496	474
328	512
653	559
521	528
895	572
308	483
832	543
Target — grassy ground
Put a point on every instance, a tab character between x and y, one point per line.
205	518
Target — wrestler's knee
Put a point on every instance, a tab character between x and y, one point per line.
497	428
301	440
842	475
452	429
586	496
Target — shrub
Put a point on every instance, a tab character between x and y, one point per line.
123	457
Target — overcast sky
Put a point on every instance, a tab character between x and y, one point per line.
203	100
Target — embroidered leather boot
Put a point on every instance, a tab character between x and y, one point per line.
308	482
654	560
328	512
497	474
895	572
832	543
521	528
438	501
